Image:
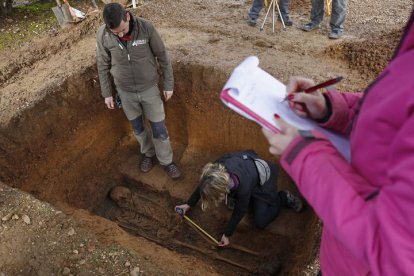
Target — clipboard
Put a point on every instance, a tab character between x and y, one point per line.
226	97
256	95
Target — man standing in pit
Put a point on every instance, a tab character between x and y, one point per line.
129	50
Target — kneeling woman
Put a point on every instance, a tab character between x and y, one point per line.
241	177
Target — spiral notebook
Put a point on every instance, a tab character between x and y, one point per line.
256	95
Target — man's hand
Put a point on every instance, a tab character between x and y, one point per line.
224	241
184	207
168	95
280	141
109	101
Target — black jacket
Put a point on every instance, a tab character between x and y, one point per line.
249	186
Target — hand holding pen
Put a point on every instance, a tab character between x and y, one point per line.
305	99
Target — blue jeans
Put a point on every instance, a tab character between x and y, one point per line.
258	5
337	16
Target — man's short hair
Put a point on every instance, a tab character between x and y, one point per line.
113	14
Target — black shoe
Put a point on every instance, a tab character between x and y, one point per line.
251	22
335	34
287	21
294	202
309	27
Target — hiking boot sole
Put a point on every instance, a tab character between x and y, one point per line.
175	176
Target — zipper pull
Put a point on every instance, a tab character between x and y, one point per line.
120	46
129	59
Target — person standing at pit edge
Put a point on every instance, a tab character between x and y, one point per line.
257	7
128	51
337	17
367	204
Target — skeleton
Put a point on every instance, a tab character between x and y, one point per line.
140	212
141	215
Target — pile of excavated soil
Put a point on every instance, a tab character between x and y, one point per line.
368	63
62	151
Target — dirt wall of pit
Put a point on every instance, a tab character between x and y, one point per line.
59	142
70	134
67	148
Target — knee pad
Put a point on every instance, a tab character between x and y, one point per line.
137	125
159	130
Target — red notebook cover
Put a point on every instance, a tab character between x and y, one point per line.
227	98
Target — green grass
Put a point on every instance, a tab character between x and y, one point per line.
46	209
36	7
132	252
26	22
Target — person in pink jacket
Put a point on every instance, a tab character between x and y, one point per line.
367	204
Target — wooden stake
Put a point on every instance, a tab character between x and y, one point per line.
214	256
245	250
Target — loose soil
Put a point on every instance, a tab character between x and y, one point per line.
62	153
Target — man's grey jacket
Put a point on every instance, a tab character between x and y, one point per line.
133	68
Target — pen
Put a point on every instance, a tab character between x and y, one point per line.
318	86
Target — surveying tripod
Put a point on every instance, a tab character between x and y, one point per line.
273	5
328	7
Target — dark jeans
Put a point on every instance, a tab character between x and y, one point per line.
265	213
258	5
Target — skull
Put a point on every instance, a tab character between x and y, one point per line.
121	195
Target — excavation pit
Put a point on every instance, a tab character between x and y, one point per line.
148	214
69	150
59	143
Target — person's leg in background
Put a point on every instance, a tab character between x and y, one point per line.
254	12
291	201
337	18
153	108
284	10
132	109
317	12
264	213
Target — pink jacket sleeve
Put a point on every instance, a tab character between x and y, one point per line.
343	109
379	231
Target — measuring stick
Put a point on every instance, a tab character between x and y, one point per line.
199	228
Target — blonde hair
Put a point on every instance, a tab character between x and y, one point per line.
214	184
